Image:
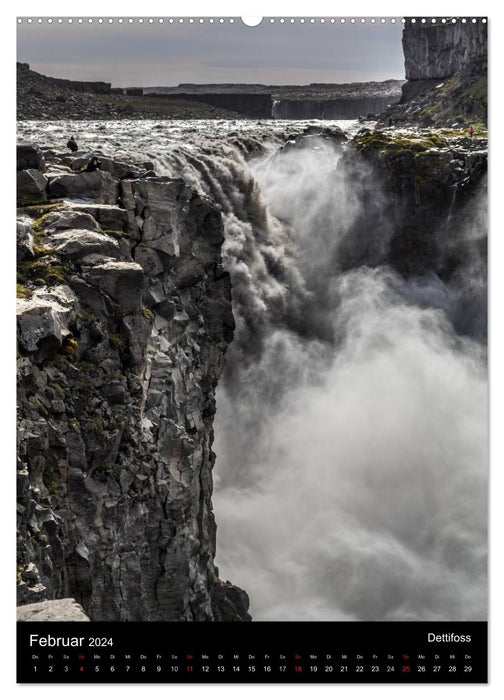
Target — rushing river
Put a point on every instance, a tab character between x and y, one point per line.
351	428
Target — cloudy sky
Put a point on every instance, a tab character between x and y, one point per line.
168	54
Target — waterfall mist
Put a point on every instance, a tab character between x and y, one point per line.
362	495
352	453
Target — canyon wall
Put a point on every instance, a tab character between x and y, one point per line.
446	71
433	52
124	316
257	106
350	108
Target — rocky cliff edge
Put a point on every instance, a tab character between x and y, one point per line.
124	316
446	71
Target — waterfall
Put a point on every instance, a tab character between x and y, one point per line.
351	428
452	203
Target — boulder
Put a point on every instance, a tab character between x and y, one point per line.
155	293
43	321
115	393
167	309
229	602
122	281
30	588
137	330
332	132
24	239
98	186
69	219
63	610
149	260
31	187
29	157
108	216
77	243
91	296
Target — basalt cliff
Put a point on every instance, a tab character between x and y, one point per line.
446	73
124	316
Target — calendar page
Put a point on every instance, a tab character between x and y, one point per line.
252	349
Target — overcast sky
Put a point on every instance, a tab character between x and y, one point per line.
168	54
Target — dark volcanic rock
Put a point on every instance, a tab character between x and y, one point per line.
122	281
117	168
43	321
98	186
31	187
62	220
343	108
29	157
417	187
75	244
117	372
255	106
109	216
434	52
229	603
24	239
446	67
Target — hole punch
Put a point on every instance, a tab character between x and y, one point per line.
252	21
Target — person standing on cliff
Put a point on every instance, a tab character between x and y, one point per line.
471	131
93	164
72	144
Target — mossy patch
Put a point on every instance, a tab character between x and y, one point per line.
42	271
118	312
40	250
392	144
118	342
38	225
480	132
30	199
86	367
147	313
70	347
23	292
39	210
20	569
75	425
51	481
461	100
479	90
86	317
41	408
